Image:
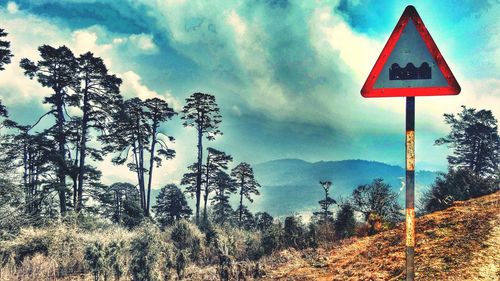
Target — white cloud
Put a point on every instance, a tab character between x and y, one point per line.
12	7
144	42
133	87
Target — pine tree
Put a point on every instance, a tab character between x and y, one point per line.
32	154
136	129
5	53
201	112
325	214
5	58
263	221
345	223
245	180
217	162
57	70
171	206
159	111
99	97
474	139
225	186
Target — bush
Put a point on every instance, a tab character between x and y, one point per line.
345	223
294	233
271	239
187	237
94	257
115	259
146	250
460	184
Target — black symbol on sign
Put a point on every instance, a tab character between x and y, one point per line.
410	72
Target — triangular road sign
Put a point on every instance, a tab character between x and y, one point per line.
410	64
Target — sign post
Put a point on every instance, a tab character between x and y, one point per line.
410	65
410	188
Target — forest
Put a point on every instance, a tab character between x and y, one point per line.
59	221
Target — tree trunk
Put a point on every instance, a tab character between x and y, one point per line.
198	173
241	201
151	165
61	139
136	161
141	172
205	196
25	177
83	150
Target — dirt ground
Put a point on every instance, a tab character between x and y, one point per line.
459	243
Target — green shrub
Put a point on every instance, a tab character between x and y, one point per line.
187	237
114	259
94	257
146	250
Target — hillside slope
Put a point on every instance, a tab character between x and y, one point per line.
459	243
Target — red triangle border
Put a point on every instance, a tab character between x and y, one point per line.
453	87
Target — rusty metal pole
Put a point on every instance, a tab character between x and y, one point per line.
410	188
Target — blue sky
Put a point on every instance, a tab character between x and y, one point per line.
286	74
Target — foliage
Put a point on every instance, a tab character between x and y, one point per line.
187	237
56	70
263	221
325	216
222	211
457	184
271	238
146	249
135	129
215	169
247	185
376	198
171	206
474	139
202	113
345	222
5	53
94	257
98	96
294	234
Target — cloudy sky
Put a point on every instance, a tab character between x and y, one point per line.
286	74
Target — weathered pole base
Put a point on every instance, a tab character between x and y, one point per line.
410	188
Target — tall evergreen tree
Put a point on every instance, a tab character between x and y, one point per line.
121	203
345	223
217	162
5	53
171	206
201	112
5	58
33	155
99	98
325	214
159	112
57	70
135	132
245	180
474	139
224	187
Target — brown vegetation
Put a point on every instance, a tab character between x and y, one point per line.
459	243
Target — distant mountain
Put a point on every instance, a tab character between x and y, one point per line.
292	185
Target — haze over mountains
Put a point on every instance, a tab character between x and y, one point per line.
292	185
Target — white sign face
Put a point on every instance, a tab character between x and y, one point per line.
410	64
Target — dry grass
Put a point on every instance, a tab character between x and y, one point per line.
459	243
